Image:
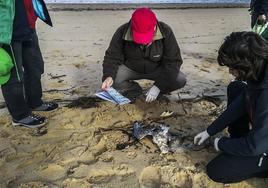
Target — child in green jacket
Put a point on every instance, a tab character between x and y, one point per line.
23	91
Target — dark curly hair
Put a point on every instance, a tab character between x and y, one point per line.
245	52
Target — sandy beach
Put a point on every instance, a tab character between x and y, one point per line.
78	147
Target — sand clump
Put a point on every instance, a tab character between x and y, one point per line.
150	177
53	172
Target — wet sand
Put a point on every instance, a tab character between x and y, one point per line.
78	146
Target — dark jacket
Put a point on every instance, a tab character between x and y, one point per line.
259	7
21	27
163	53
256	142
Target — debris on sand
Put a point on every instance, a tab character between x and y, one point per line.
161	137
166	113
39	132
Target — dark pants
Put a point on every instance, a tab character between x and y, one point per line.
254	18
24	91
226	168
125	76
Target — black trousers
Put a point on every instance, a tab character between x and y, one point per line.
254	18
226	168
23	91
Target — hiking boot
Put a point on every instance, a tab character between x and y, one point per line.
31	121
46	107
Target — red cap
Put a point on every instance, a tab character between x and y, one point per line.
143	24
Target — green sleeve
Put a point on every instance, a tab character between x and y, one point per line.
7	12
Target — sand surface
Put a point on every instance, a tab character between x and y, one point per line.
78	146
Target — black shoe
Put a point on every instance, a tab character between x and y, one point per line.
46	107
31	121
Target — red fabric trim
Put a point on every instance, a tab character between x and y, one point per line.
30	13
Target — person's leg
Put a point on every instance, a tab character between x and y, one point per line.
227	168
33	69
178	83
13	90
240	127
124	79
254	17
173	85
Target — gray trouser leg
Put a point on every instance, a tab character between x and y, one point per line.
178	83
124	79
125	76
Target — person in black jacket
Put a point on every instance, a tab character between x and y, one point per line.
144	48
244	153
259	11
23	91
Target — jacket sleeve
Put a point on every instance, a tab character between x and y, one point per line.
261	7
114	55
234	111
171	61
7	12
256	142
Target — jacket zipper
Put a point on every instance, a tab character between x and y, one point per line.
143	55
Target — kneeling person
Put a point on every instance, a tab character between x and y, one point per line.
144	48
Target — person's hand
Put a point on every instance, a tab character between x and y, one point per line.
152	94
262	19
108	82
216	146
201	137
